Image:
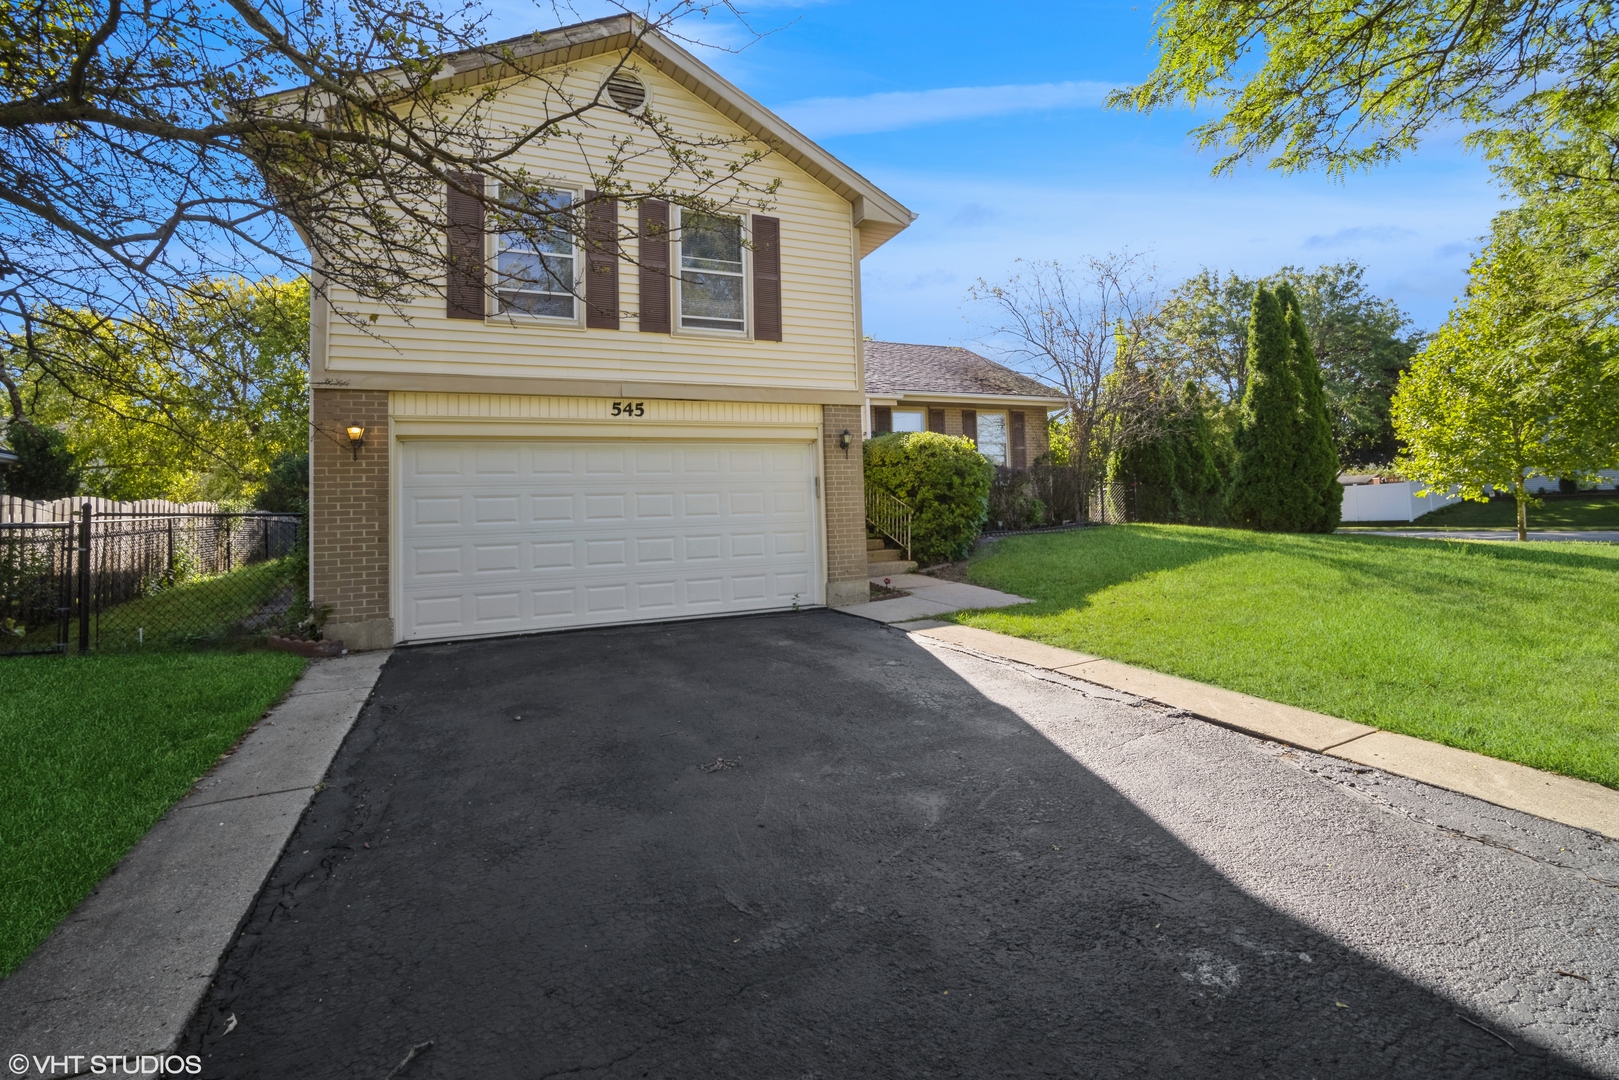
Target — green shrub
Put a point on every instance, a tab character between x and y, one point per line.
943	478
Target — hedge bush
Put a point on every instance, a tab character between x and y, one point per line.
943	478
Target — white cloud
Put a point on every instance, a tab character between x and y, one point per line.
825	117
1359	235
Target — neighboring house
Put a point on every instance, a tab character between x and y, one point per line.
957	392
673	452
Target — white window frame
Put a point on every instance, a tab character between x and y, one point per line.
1006	436
898	411
678	316
497	245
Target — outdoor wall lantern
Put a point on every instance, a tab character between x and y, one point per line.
356	439
845	440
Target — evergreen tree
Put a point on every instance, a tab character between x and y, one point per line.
45	468
1318	457
1175	470
1268	486
1197	470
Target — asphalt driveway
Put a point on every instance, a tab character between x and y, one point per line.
810	846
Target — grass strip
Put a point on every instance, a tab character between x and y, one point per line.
1506	649
97	749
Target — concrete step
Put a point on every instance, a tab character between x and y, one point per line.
892	568
875	543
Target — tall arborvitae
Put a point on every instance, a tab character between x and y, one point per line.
1197	472
1269	489
1318	456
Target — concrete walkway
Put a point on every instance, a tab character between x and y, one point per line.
1588	536
1564	799
930	597
125	971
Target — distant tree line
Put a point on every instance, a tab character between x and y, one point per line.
1222	398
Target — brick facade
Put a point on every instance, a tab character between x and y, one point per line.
844	483
348	517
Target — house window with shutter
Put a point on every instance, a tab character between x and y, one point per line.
536	262
712	283
992	436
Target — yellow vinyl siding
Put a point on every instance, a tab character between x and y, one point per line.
819	310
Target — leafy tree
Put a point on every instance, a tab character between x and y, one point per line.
1085	331
1177	466
1202	332
186	401
45	467
1348	86
1318	459
1506	389
149	150
1269	486
286	489
1362	342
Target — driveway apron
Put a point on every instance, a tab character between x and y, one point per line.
806	845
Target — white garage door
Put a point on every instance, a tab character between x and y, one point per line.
507	537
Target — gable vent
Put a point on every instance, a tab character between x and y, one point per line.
626	91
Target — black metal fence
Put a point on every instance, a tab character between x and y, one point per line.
116	580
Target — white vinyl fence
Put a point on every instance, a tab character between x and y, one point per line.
1391	502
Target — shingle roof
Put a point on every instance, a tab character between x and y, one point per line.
896	368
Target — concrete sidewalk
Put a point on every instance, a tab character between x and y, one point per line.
930	597
1564	799
125	971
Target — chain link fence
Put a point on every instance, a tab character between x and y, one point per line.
105	580
1047	496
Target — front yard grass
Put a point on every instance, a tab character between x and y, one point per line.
1507	649
97	748
1588	510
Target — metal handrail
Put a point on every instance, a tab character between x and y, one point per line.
890	517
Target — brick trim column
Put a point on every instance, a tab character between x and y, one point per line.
349	516
843	483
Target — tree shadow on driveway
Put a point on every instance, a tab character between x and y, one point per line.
778	846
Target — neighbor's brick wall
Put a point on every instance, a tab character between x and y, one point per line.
843	480
348	511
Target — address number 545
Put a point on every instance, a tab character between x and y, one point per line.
629	408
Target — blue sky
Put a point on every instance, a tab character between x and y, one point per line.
988	123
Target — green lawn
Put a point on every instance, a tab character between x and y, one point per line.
1591	510
1507	649
96	749
203	610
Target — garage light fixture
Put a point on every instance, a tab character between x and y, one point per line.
356	439
845	440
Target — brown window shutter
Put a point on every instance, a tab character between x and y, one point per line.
882	420
1020	445
969	424
601	263
463	248
654	254
766	278
936	420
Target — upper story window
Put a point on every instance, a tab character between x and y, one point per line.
535	271
712	291
992	436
